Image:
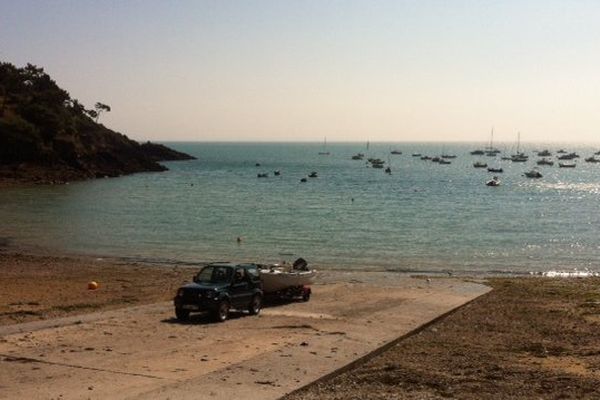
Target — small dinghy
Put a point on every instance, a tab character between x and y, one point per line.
493	182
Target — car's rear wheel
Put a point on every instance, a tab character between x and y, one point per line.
181	314
222	311
255	305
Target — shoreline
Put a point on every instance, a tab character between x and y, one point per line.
7	245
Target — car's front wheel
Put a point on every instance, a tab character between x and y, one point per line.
221	313
255	305
181	314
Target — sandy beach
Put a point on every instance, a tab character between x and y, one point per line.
43	287
362	335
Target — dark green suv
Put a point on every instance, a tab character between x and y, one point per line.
219	287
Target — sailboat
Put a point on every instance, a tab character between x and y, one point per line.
491	151
519	157
324	152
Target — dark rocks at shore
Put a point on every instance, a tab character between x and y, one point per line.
48	137
160	152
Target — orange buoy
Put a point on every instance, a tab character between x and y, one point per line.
92	285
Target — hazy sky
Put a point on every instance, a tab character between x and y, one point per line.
302	70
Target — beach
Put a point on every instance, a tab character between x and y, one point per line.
38	287
362	335
59	339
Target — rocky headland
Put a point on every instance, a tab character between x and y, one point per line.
48	137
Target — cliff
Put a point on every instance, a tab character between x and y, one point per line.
46	136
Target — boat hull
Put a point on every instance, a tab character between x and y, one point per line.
274	281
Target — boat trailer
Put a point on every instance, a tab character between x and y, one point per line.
291	293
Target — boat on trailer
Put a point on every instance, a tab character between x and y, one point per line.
287	279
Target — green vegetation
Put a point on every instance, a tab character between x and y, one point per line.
45	135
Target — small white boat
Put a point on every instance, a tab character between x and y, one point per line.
493	182
278	277
567	165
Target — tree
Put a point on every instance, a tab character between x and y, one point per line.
100	108
76	106
93	114
2	100
33	72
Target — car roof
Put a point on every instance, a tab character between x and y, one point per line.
231	264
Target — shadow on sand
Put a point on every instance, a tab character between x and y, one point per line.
204	318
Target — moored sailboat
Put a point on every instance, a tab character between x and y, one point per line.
324	152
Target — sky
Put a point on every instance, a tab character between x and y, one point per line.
303	70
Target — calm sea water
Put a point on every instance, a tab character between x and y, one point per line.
423	217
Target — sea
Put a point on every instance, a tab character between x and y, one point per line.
422	218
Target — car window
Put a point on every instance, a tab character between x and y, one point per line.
252	272
214	274
240	274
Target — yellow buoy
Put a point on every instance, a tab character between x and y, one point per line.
92	285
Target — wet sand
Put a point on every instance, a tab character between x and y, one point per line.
41	287
122	341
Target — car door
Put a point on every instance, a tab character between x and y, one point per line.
240	289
